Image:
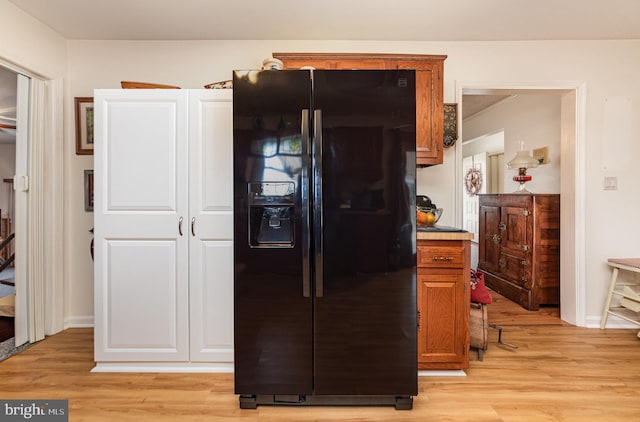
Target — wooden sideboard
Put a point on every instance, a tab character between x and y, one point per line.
519	249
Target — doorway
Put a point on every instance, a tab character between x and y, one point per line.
571	173
9	85
39	200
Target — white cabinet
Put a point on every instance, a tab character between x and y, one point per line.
163	229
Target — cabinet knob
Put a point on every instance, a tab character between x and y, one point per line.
441	258
502	263
502	226
497	238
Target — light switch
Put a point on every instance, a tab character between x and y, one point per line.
610	183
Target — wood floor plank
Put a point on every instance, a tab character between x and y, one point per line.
557	373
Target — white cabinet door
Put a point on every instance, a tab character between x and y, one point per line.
211	225
141	225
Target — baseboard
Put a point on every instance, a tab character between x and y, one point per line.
164	367
613	321
442	373
203	367
79	322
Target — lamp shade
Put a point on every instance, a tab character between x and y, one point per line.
522	159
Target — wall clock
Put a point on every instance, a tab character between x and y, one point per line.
450	124
473	181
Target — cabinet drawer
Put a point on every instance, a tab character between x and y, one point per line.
441	256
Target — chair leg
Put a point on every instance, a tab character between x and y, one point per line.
499	328
607	303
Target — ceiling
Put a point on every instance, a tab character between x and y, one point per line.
410	20
371	20
474	104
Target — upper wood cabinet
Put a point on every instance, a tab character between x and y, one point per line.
429	89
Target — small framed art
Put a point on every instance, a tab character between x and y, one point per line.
84	125
450	124
88	190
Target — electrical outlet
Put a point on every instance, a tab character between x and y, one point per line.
610	183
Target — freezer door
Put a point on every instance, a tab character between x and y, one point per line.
272	307
365	292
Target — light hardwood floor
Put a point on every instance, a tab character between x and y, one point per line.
558	373
505	312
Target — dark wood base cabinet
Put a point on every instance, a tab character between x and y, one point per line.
519	250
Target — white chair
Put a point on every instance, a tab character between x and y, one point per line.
629	292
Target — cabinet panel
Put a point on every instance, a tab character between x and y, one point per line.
211	152
348	64
429	110
514	268
516	232
441	337
211	236
211	304
155	326
135	132
489	237
141	259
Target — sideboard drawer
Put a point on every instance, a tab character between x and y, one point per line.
441	256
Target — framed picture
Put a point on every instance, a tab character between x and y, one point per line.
88	190
84	125
450	124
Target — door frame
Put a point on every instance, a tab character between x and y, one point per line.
572	186
51	232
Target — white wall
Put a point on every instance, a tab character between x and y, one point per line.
31	45
609	69
533	119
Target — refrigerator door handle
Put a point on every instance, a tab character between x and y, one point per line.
317	205
304	193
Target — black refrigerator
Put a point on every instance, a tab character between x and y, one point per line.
324	237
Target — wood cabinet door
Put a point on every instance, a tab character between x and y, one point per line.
210	225
442	332
429	111
141	214
515	230
489	235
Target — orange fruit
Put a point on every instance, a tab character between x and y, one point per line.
425	218
422	217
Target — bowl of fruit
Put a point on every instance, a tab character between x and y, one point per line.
428	217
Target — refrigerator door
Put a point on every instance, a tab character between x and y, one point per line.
273	307
365	304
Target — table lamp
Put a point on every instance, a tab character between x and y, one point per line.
522	161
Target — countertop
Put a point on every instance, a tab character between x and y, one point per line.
443	233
